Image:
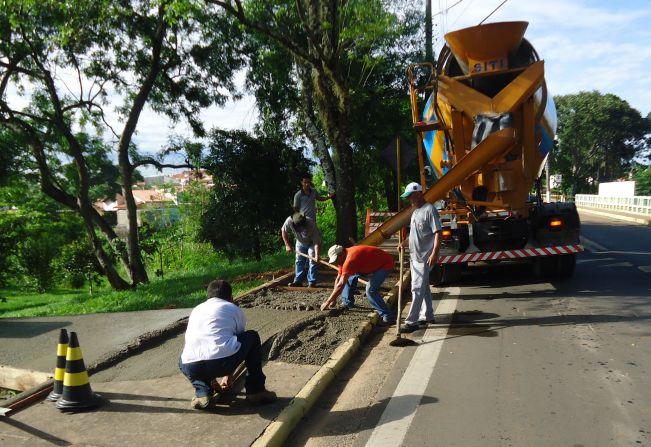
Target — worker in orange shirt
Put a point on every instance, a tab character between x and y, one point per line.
361	260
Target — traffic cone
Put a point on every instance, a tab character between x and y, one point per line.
59	371
77	394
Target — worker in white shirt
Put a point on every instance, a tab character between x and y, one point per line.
216	342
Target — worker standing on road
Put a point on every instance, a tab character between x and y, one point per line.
356	261
305	199
308	241
424	244
216	342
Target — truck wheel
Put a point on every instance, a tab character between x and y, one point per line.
445	274
452	273
544	267
565	265
436	275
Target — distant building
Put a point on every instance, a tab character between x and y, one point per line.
617	189
152	201
157	206
181	180
106	206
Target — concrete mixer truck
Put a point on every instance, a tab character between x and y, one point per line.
485	124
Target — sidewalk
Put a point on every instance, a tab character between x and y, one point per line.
155	410
628	217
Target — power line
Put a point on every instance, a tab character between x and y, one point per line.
462	12
500	5
447	9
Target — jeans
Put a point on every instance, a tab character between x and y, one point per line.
302	262
421	296
348	294
372	292
201	373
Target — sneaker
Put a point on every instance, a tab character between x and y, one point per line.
423	323
312	286
200	403
261	398
346	306
408	328
294	284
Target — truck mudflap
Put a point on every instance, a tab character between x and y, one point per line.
510	255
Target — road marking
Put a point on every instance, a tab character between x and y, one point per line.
401	409
591	246
645	268
619	264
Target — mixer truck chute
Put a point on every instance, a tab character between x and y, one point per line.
485	124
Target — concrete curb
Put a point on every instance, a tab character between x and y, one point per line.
629	218
277	432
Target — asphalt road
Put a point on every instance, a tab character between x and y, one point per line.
514	361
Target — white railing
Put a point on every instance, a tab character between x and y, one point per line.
635	204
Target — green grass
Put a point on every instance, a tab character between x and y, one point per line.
178	289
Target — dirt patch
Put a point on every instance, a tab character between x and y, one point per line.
279	299
264	276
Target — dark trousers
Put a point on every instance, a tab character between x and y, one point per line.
201	373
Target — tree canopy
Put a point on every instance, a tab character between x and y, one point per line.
335	47
599	137
255	181
72	62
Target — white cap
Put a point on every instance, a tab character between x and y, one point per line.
334	252
412	187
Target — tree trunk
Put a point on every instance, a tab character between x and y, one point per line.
114	278
345	200
311	128
335	109
136	269
84	208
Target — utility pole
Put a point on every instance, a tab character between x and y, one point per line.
548	195
429	50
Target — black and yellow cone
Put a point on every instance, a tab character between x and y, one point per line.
77	394
59	371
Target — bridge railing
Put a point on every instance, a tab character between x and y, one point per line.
634	205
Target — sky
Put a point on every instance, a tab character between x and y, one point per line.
586	45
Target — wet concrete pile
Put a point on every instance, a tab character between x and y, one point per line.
311	340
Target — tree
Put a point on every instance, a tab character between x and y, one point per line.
70	60
323	36
254	185
77	264
599	136
642	177
31	236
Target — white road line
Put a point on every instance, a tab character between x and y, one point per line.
619	264
592	246
645	268
396	419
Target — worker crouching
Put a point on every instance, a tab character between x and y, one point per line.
216	342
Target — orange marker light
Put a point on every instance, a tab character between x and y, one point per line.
446	234
555	223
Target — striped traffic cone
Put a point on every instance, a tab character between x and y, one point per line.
62	350
77	394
